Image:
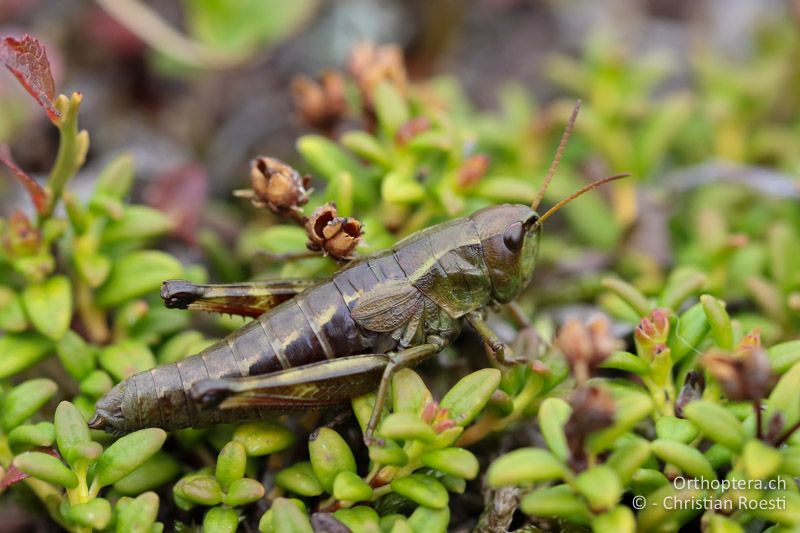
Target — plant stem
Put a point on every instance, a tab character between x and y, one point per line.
71	149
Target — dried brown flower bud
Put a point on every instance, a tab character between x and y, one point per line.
334	235
747	376
593	409
320	104
371	65
276	185
692	390
411	128
473	169
585	346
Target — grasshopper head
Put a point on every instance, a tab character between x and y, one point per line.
509	237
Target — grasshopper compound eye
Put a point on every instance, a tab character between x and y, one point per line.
514	236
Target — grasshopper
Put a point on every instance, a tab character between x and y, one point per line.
320	344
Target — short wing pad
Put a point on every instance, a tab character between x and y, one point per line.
388	306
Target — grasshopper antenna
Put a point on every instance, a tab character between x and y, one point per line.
576	194
557	159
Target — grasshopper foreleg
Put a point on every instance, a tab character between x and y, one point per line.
397	361
497	348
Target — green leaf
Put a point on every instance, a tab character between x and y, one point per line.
365	146
688	459
601	487
628	458
362	519
137	515
678	429
71	431
76	355
264	437
719	524
427	520
629	294
631	409
682	283
718	319
127	454
19	351
221	520
28	436
287	517
12	315
391	108
153	473
668	508
553	415
199	489
243	491
405	426
470	395
329	454
454	461
760	460
525	465
126	358
25	399
300	479
116	179
784	355
96	384
555	502
95	514
137	274
409	393
399	188
137	222
421	489
328	159
646	480
627	362
717	423
49	306
231	464
688	332
349	486
620	519
389	453
783	398
47	468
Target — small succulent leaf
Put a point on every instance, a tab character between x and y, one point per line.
678	429
349	486
116	178
96	384
29	436
138	222
760	460
784	355
629	294
199	489
127	454
454	461
601	487
783	398
25	399
288	517
661	514
243	491
300	479
428	520
646	480
153	473
470	395
71	430
409	393
76	355
717	423
95	514
360	518
329	454
365	146
690	329
620	519
390	107
628	458
137	274
556	502
719	321
126	358
553	415
47	468
682	283
231	464
388	453
12	314
626	362
49	306
421	489
525	465
138	515
720	524
631	409
264	437
221	520
19	351
688	459
405	426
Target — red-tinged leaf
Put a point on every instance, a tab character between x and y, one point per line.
181	194
27	60
15	475
37	193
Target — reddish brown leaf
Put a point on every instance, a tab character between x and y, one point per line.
27	60
13	475
36	191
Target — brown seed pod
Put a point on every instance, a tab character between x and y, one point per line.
746	376
333	235
585	346
320	104
371	65
276	185
593	409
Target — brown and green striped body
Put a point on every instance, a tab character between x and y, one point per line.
381	303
